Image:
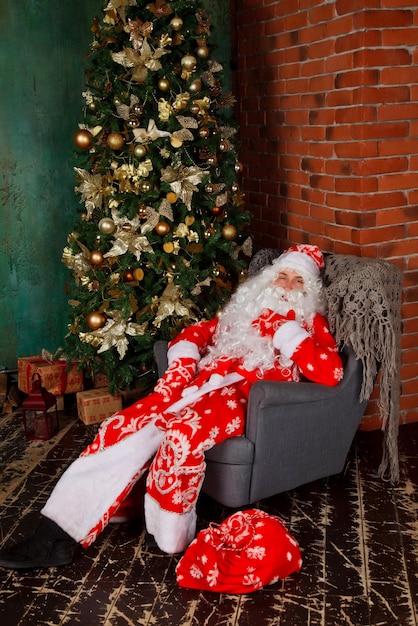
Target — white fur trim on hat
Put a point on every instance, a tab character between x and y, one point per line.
303	258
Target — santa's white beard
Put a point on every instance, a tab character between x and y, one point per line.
237	338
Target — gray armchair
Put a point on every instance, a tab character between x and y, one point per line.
295	432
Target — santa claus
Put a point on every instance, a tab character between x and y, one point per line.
273	328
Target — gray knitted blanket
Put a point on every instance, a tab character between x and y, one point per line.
364	311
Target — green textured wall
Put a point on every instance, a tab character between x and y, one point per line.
42	76
41	53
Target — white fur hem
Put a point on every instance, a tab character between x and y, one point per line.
92	483
173	532
288	337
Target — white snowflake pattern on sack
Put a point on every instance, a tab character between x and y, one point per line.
256	552
196	572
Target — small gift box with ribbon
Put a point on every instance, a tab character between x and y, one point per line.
57	378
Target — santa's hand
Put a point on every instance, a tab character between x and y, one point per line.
268	322
289	337
183	350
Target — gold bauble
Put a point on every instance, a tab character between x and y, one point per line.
168	247
137	108
138	273
243	275
212	160
133	121
145	186
209	188
234	187
171	197
82	139
189	62
117	101
204	132
176	23
219	271
127	276
142	211
139	150
96	257
238	167
107	226
176	142
208	233
195	86
162	229
178	39
195	108
202	52
163	84
229	232
96	320
115	141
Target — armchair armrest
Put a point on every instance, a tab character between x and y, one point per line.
267	394
302	431
160	354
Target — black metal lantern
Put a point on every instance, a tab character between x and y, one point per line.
40	414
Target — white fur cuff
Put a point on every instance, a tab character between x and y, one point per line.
183	350
288	337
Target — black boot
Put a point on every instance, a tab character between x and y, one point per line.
49	546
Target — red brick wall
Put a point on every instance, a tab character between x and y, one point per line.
328	107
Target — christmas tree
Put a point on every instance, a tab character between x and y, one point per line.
159	240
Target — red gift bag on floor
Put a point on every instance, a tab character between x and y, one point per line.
247	551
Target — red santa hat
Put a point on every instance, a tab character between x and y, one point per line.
304	258
246	551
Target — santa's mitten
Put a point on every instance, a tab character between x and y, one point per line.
182	350
182	358
269	322
288	338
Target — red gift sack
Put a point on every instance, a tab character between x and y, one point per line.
248	550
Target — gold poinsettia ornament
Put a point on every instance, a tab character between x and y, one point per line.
138	31
115	8
114	333
160	8
172	304
153	216
91	190
127	238
139	62
183	181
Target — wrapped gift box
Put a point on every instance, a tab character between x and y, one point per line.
95	405
56	378
100	380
